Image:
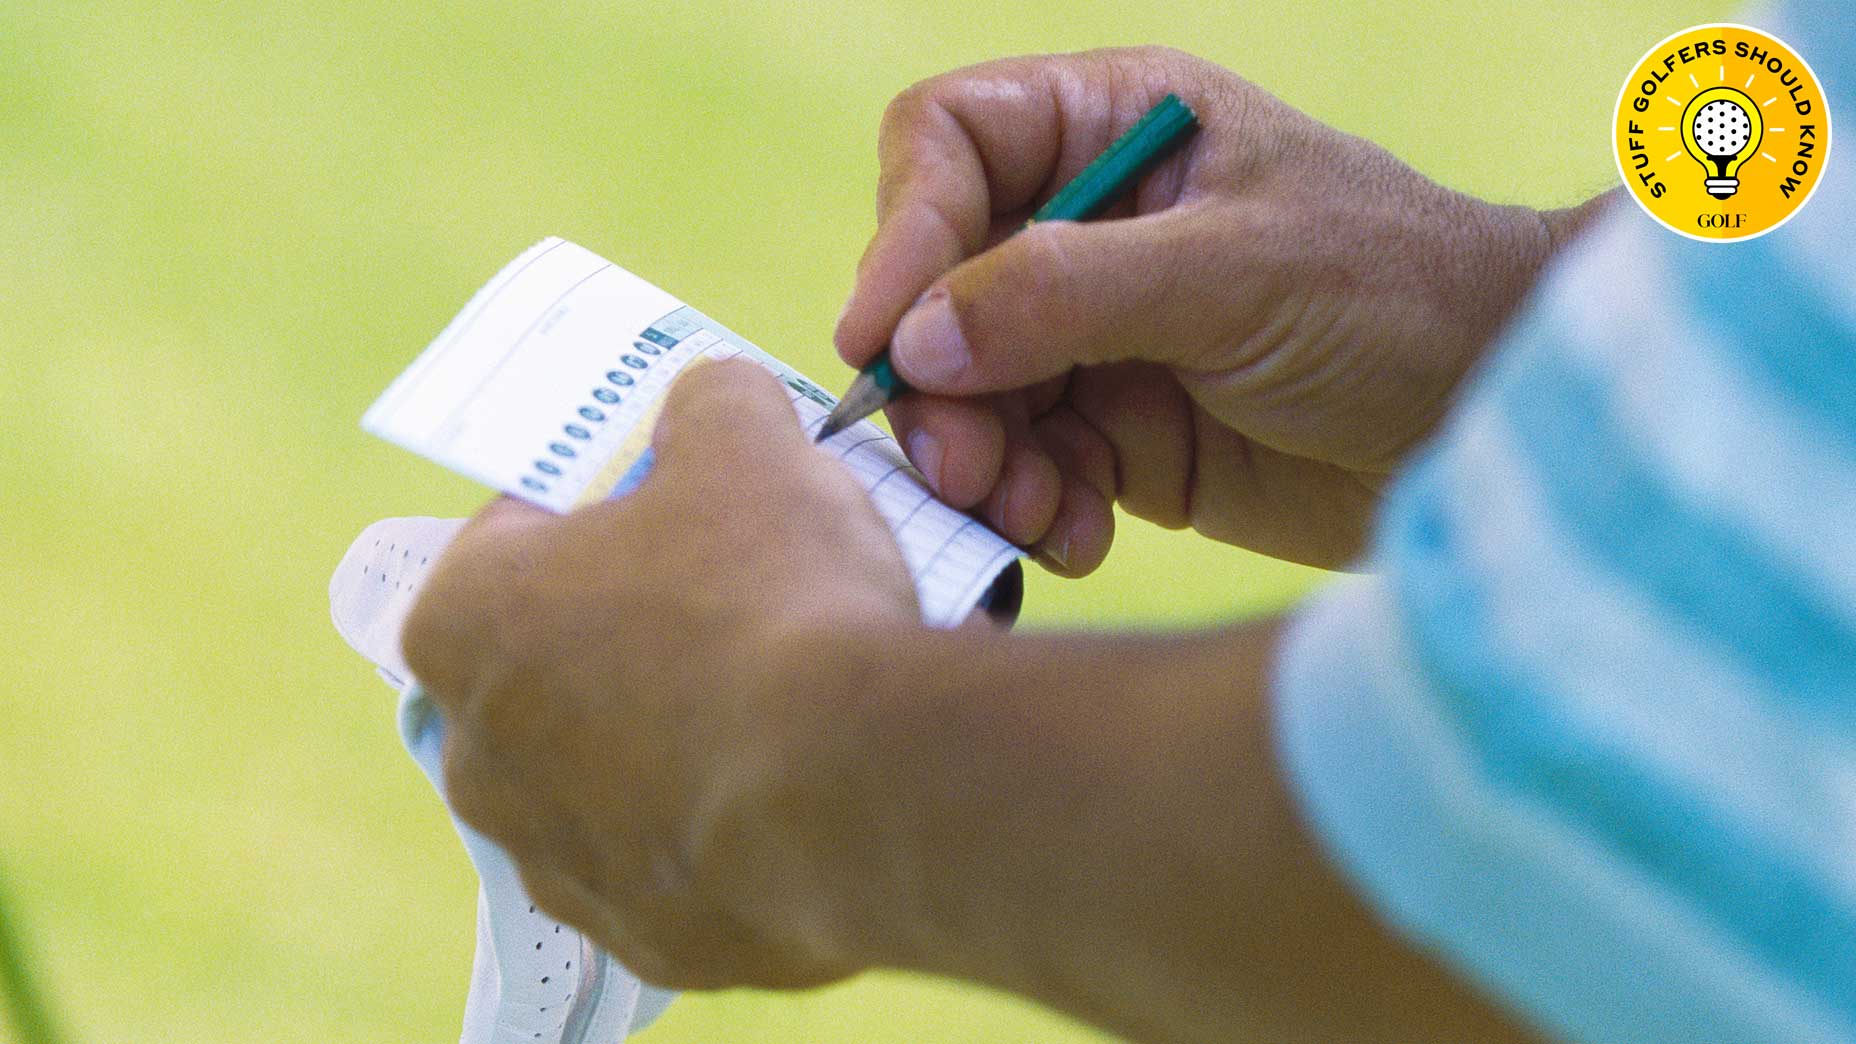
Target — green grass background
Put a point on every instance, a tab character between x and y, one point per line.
224	227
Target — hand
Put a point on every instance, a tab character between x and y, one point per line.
1281	316
622	712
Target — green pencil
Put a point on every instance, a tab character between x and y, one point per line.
1157	133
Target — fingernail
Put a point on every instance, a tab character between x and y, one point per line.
1059	554
925	451
999	507
928	345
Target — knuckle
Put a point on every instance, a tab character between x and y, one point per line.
932	97
444	640
488	581
910	141
908	104
552	895
949	222
1166	60
467	786
421	638
1162	65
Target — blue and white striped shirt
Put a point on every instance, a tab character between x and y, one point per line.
1588	729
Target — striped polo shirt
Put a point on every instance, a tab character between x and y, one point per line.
1586	727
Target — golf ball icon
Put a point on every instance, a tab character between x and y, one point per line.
1721	129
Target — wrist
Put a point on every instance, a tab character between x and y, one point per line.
1052	814
836	712
903	742
994	782
1516	243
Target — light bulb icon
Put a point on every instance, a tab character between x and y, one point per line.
1721	128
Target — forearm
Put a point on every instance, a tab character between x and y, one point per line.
1099	822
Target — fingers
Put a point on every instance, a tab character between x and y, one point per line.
957	444
1023	503
1084	525
907	253
967	148
1054	494
1078	449
935	198
1080	532
1049	485
1145	416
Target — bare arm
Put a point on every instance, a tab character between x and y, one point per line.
1100	822
777	776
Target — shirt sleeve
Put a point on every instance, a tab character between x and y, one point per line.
1587	728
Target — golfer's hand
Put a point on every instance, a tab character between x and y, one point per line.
1281	313
624	709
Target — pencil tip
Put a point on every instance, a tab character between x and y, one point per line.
826	430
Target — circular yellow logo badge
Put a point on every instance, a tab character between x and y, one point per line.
1721	132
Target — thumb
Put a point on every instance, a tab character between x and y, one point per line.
732	408
1062	294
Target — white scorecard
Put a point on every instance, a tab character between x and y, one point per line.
547	385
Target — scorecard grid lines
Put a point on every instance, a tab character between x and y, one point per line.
875	459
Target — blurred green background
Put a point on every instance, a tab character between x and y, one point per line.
224	227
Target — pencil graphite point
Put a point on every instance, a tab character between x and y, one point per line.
867	395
